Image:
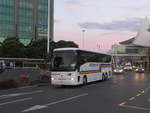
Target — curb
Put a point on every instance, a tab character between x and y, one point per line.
43	84
25	87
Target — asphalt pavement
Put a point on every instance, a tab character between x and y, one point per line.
126	93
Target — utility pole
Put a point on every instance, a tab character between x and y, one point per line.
50	33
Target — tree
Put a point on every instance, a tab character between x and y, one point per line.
0	49
37	49
64	44
12	48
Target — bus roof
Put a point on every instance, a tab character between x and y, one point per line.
61	49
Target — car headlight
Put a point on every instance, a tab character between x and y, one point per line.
142	69
121	71
115	71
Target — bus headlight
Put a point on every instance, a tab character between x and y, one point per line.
72	78
52	78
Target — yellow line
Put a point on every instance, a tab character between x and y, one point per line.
123	103
132	98
136	107
148	99
138	95
147	89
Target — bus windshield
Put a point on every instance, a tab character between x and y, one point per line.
64	61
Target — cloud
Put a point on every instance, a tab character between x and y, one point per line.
132	24
75	4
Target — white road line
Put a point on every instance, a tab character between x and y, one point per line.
37	107
67	99
132	98
138	95
123	103
15	101
19	94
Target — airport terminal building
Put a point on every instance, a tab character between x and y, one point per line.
129	52
24	19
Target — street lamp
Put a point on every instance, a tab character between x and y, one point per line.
83	31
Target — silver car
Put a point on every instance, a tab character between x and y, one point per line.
118	70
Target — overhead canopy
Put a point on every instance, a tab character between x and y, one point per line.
143	36
126	42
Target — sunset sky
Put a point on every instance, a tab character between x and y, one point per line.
105	22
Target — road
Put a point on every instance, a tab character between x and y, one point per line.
128	93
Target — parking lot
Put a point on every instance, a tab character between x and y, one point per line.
124	93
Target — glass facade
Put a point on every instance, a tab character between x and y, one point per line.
24	19
6	18
42	15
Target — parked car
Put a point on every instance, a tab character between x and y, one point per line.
139	70
118	70
9	65
2	67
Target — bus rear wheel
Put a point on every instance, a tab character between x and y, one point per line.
106	78
84	80
103	77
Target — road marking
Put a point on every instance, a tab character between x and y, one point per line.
19	94
148	99
143	92
135	107
15	101
147	89
132	98
138	95
123	103
25	87
37	107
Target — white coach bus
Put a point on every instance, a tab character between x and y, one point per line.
74	66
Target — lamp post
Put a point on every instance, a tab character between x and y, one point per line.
50	26
83	31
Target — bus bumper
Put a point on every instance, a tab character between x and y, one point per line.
64	82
